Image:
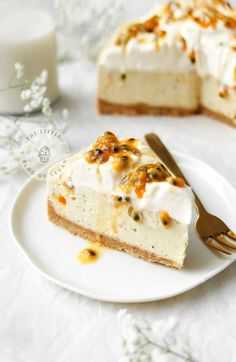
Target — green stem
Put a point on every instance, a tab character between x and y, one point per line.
177	354
11	87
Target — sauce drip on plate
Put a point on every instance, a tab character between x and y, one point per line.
88	255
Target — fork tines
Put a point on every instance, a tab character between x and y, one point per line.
223	239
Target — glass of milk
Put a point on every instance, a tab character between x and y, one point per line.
28	37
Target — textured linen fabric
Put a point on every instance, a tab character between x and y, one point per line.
40	321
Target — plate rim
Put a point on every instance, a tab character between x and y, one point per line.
81	291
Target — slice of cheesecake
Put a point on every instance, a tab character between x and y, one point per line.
118	193
179	60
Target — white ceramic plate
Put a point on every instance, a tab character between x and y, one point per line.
117	276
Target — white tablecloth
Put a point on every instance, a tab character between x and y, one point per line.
41	322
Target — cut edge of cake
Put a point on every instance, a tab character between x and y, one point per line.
106	241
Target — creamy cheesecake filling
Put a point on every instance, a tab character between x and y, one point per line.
154	89
96	212
218	99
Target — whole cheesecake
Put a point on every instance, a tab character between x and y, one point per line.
179	60
118	193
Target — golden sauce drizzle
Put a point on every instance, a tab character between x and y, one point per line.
99	216
61	199
142	175
108	145
88	255
114	218
205	14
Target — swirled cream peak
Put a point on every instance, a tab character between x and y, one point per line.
177	38
105	176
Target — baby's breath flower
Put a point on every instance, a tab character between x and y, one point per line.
35	94
35	103
65	113
19	70
25	94
34	88
165	326
75	33
11	134
27	108
47	111
151	343
46	107
46	102
41	90
43	77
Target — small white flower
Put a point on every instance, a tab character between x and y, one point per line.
46	102
25	94
40	92
47	111
161	328
132	338
27	108
65	113
34	88
35	103
19	70
43	77
159	355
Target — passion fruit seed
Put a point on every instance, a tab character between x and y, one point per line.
192	57
142	169
115	149
120	163
125	147
152	171
165	218
176	181
135	215
223	91
91	252
108	145
133	179
98	152
87	256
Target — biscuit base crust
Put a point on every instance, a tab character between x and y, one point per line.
105	240
218	117
140	109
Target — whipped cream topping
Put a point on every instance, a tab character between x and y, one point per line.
212	45
159	196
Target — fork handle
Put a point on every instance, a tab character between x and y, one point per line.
162	152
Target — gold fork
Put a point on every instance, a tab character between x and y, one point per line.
210	229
